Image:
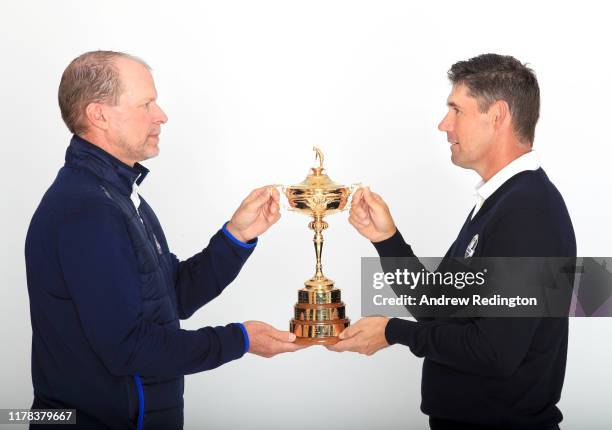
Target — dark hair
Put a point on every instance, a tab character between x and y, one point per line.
492	77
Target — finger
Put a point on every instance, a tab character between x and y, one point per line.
357	224
273	218
275	195
281	336
360	213
354	213
271	212
283	347
371	199
351	344
357	196
274	207
292	347
266	210
336	347
363	221
262	198
379	198
355	328
350	331
253	195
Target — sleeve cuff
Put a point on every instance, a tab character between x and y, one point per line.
250	244
395	246
401	331
246	337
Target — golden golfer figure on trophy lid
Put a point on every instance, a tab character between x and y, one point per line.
319	315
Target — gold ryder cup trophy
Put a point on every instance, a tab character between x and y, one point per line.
319	315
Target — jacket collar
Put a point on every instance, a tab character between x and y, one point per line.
83	154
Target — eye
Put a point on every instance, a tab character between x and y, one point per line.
147	105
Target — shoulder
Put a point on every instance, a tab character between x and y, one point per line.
530	192
531	213
75	193
530	189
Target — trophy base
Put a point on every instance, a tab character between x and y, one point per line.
319	316
316	341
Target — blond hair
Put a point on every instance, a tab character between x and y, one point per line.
92	77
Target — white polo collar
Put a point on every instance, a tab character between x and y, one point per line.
484	190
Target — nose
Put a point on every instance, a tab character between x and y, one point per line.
445	124
161	117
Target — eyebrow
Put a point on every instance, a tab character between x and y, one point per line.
146	100
452	104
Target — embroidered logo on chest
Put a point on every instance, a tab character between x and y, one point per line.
471	248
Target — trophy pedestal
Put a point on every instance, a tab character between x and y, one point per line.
319	315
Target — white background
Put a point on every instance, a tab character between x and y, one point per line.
249	88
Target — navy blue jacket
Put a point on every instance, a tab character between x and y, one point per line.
496	372
106	297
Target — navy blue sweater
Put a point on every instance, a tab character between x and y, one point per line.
106	296
496	372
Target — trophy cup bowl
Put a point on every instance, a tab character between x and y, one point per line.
317	199
319	314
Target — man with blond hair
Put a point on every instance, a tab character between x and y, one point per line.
106	293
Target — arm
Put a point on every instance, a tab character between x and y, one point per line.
100	270
372	218
394	254
487	346
203	277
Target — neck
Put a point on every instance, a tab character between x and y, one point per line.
503	153
107	146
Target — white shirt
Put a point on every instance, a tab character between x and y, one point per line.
484	190
134	196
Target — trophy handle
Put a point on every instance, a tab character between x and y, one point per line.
355	185
281	189
352	189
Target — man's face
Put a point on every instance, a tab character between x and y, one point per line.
135	122
470	132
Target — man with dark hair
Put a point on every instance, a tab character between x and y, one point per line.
106	293
483	373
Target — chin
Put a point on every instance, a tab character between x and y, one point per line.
152	153
458	162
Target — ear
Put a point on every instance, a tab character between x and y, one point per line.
500	114
95	116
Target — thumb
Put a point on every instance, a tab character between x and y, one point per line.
347	332
275	194
282	336
357	196
370	198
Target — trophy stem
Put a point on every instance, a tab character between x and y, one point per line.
318	280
